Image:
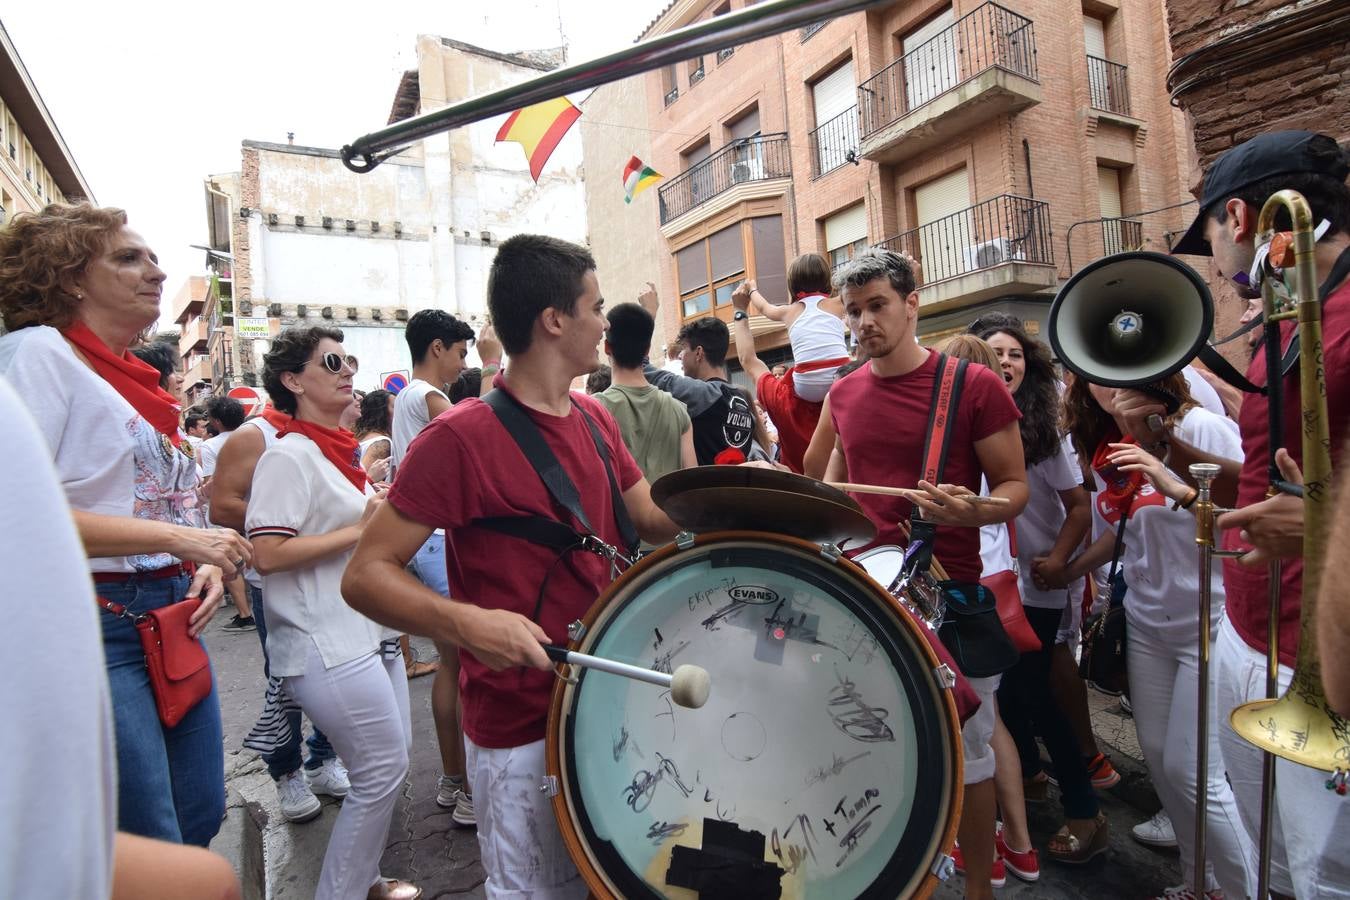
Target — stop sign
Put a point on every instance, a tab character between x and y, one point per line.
247	396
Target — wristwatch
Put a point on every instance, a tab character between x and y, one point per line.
740	314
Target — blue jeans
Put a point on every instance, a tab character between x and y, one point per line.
286	759
170	781
428	564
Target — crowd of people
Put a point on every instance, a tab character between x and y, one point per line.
345	522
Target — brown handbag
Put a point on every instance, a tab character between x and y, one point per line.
179	669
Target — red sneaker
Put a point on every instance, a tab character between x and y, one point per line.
1025	865
1103	774
998	875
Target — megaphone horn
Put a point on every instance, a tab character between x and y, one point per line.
1130	319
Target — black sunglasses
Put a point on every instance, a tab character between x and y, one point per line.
334	362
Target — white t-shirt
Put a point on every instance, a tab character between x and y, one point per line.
410	415
1159	560
269	433
298	492
58	781
1039	523
372	441
1204	394
108	458
209	450
995	543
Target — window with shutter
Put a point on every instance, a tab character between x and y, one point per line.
945	229
932	64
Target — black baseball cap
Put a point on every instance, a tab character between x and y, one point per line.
1264	156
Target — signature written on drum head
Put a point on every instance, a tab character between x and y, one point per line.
640	792
857	815
854	717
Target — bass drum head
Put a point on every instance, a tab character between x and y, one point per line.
825	763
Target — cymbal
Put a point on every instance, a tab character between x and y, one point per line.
745	498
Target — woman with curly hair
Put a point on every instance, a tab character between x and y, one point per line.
1049	530
309	504
77	287
1154	543
372	432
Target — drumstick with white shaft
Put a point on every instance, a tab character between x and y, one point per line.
689	685
906	492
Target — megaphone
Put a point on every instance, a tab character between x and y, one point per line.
1130	319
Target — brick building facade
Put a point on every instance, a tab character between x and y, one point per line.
1002	149
1245	68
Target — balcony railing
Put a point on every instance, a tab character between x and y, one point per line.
1108	86
672	95
697	75
725	54
989	36
758	158
835	143
1121	235
1003	229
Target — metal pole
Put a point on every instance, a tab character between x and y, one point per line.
1204	475
743	26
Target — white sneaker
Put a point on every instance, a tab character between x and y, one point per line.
1156	832
1182	892
329	778
450	795
298	803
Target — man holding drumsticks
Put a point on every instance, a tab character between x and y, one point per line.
875	421
465	468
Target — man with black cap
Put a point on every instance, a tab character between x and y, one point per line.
1310	822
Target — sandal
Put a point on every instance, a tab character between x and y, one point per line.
1066	847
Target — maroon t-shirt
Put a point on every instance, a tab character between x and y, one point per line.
882	423
1246	587
465	466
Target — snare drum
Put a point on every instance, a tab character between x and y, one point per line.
826	762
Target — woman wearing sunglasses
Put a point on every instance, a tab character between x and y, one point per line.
1158	562
309	503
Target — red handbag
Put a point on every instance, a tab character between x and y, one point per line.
1008	591
179	669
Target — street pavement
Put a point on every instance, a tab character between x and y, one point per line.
425	847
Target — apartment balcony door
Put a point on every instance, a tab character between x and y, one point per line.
945	233
932	65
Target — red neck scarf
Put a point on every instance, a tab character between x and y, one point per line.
339	445
275	417
1121	487
136	381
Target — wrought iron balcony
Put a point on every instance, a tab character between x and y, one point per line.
807	32
1108	86
725	54
672	95
835	143
1004	229
1121	236
987	37
759	158
697	75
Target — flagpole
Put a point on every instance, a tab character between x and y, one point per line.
743	26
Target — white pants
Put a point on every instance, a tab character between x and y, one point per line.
522	848
1310	823
1164	683
362	706
976	734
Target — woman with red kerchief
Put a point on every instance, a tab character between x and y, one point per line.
77	287
310	501
1158	564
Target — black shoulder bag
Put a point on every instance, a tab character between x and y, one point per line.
1102	663
971	628
555	533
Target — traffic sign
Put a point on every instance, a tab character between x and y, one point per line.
248	396
393	382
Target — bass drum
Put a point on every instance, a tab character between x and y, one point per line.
825	764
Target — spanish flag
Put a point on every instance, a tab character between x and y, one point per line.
637	177
538	129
